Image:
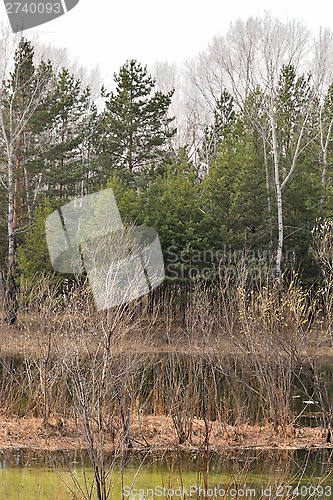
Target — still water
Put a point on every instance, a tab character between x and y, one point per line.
24	474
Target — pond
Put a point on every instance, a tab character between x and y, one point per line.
25	474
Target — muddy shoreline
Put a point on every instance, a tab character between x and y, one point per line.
156	433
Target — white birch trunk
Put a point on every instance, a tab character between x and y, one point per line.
324	147
11	246
278	197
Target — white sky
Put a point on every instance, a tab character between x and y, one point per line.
106	32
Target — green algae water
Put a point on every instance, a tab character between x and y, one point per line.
243	474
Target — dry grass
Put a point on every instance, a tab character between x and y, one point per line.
155	433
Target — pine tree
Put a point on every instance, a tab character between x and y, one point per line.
234	198
134	125
224	121
33	256
68	113
21	94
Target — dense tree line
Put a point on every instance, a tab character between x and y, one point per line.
251	187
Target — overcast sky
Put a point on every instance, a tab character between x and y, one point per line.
106	32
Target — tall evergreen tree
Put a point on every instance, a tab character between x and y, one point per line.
134	125
223	124
68	114
234	197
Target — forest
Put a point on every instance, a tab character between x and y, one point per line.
229	159
239	169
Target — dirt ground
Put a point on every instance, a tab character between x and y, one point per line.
157	433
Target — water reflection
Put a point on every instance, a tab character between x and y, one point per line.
35	474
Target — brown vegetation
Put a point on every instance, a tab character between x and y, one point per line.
155	433
241	363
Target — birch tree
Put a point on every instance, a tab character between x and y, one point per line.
23	89
326	128
253	55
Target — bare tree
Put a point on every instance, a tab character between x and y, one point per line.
252	56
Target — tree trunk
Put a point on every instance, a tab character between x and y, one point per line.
325	161
10	305
278	191
130	166
269	202
17	183
9	301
